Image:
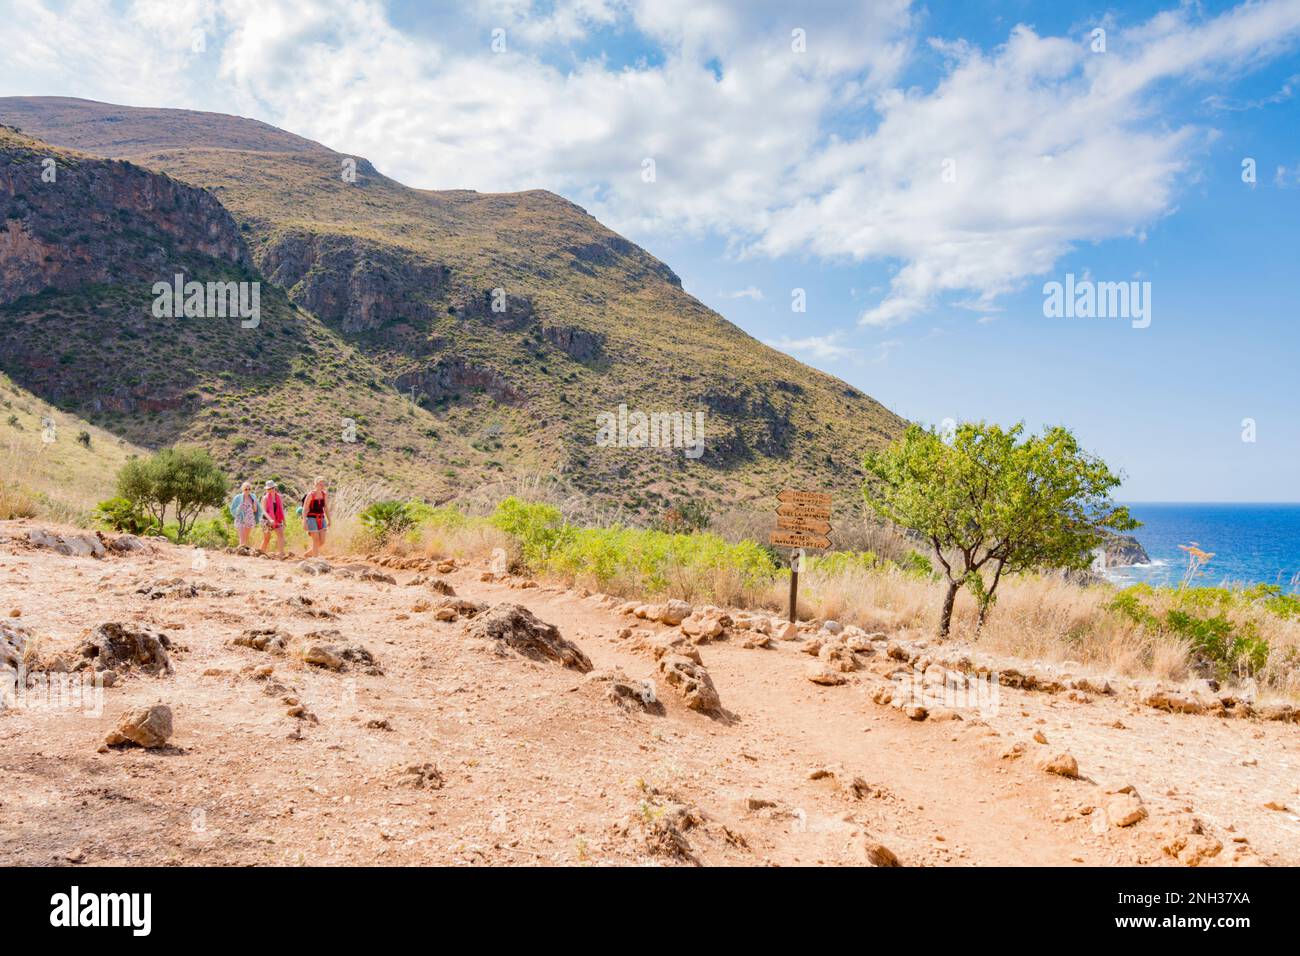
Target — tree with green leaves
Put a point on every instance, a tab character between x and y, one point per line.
992	501
186	479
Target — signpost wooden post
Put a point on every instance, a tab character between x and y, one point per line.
802	521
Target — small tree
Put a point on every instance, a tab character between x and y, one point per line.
995	501
184	478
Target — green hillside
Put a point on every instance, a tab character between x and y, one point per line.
383	313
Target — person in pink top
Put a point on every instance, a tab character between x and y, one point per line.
272	517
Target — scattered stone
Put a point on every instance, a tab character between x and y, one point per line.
1276	805
129	544
1040	737
878	854
515	626
674	612
626	693
1125	808
111	646
1062	764
825	674
313	566
704	625
454	608
330	650
421	776
446	566
72	545
149	727
784	630
838	656
832	627
378	723
1184	838
692	681
269	639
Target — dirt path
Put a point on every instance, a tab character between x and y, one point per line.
535	764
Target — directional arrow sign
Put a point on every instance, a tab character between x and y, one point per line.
804	497
813	525
804	511
797	539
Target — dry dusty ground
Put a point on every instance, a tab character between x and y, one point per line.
536	765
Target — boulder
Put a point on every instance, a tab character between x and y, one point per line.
514	626
269	639
112	646
878	854
1125	808
692	681
313	566
824	674
625	692
329	649
674	612
74	545
1062	764
128	544
837	655
149	726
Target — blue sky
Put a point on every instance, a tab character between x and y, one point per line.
818	163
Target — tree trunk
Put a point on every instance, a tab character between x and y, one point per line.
988	598
945	618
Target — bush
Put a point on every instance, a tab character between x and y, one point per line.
387	519
122	514
1216	641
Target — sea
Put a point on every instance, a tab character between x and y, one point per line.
1251	544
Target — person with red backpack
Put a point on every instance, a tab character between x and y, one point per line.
272	517
316	516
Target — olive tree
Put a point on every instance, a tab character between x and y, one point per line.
992	501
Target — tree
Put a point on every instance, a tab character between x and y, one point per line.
137	483
186	478
995	501
191	479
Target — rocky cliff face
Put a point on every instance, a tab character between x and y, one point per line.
68	221
1124	550
359	285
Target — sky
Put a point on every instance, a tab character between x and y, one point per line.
915	175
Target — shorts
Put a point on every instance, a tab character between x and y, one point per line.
315	524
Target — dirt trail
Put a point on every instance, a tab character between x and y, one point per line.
521	761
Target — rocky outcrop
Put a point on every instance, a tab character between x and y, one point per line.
516	627
358	285
579	344
101	222
1124	550
115	646
455	376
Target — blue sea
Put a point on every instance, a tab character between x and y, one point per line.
1251	543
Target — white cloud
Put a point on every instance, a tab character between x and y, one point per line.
749	292
824	347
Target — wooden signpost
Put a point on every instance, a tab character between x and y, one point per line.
802	521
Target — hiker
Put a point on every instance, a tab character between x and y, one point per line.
272	517
247	511
316	516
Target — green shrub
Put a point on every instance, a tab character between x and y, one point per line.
122	514
387	519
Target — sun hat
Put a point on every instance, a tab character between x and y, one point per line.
269	485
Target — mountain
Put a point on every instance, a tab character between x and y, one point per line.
467	336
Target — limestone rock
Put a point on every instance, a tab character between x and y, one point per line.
692	681
149	726
1062	764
